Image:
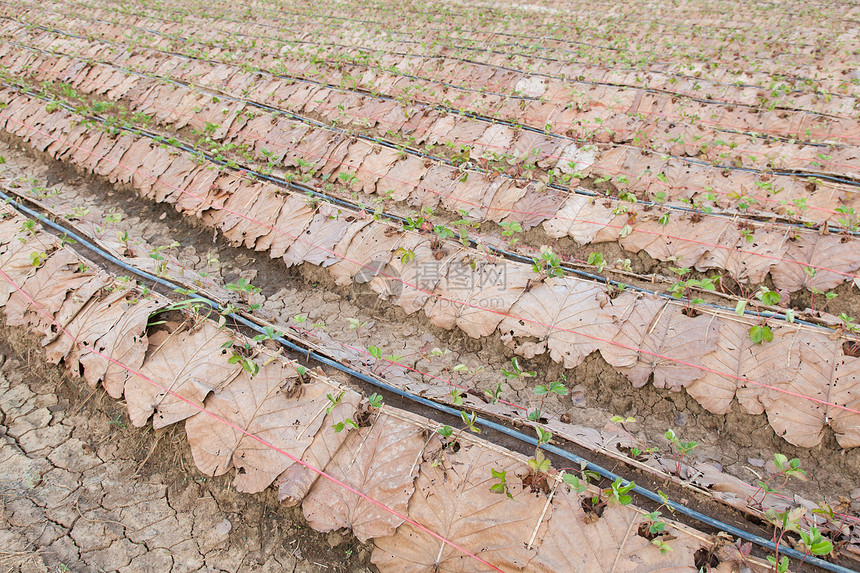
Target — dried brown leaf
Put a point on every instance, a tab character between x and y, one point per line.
798	420
267	407
580	218
365	249
294	217
453	499
16	262
189	364
816	253
743	260
48	287
121	348
380	461
611	543
297	480
566	315
655	337
680	240
846	392
316	244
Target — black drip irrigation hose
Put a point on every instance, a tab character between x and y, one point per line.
560	452
401	220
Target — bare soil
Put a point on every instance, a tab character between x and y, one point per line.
83	490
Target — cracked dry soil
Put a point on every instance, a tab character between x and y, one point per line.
82	490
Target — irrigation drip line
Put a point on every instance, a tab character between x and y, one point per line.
560	452
492	311
401	220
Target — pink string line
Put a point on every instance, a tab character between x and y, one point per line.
278	145
164	24
243	431
447	299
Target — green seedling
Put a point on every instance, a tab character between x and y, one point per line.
374	401
470	420
544	390
785	469
548	264
596	259
510	232
679	449
248	365
243	287
517	372
269	333
501	486
333	401
495	393
347	424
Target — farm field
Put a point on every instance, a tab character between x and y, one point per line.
431	285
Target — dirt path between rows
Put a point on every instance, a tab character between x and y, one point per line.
83	490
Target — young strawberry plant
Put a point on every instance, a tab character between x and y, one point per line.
517	372
548	265
243	287
510	232
679	449
654	528
761	332
684	288
783	522
785	469
543	390
501	485
635	452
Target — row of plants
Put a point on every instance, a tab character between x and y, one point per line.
601	50
656	174
626	223
540	474
591	117
570	344
243	435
